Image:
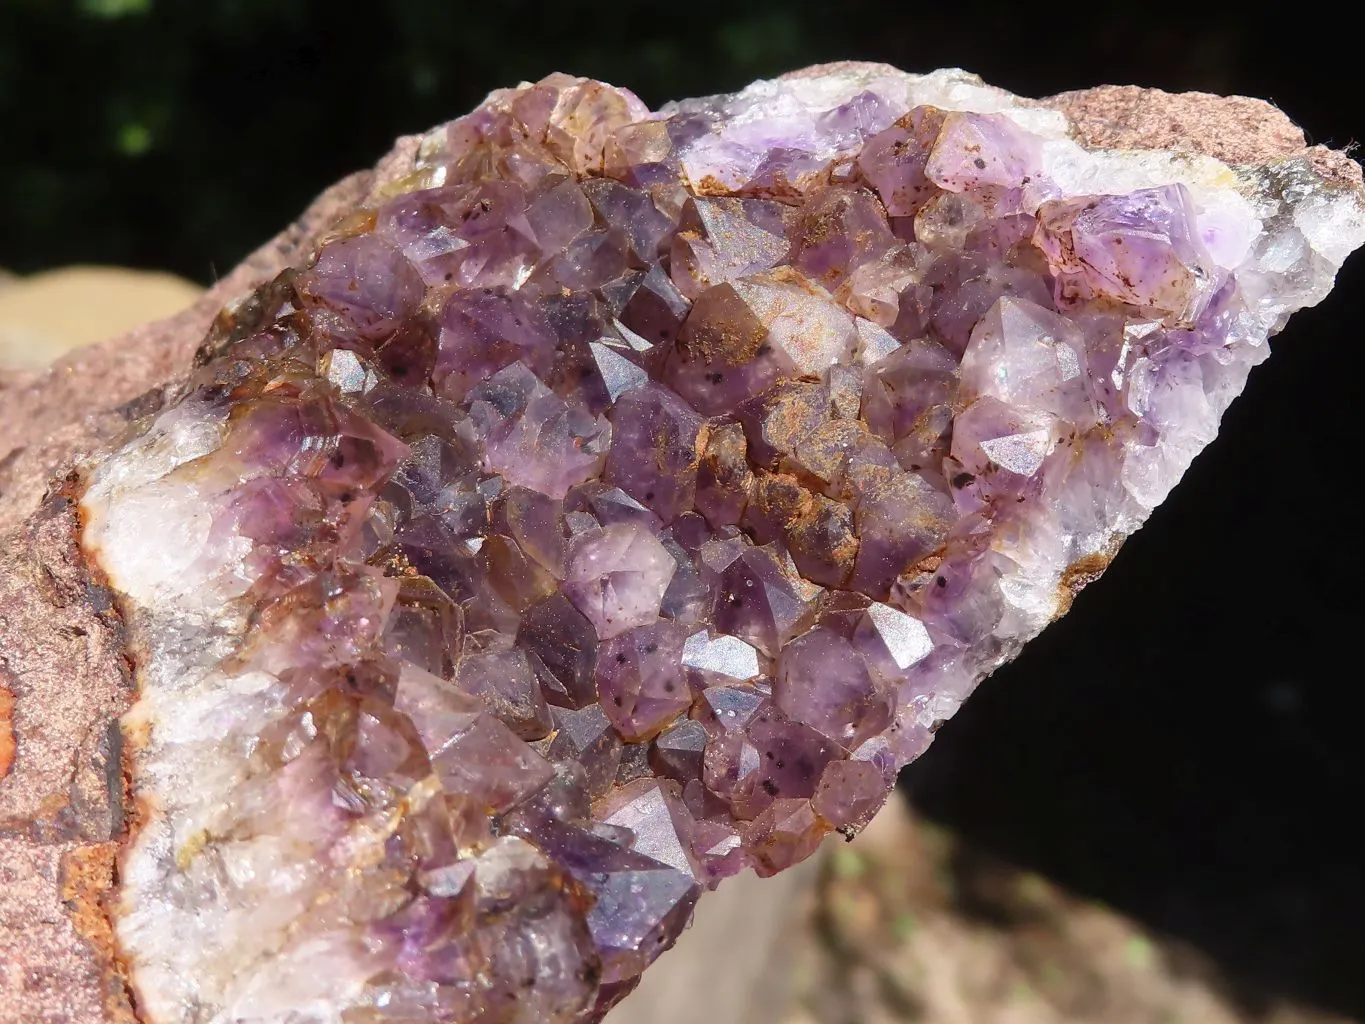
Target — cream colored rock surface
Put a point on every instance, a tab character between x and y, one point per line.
47	314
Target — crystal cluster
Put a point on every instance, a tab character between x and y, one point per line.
621	499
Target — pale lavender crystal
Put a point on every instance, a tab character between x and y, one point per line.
562	646
588	738
893	161
471	752
478	236
727	709
659	823
997	450
654	458
640	679
759	599
1142	249
823	682
840	229
723	239
849	794
363	286
720	660
984	151
677	752
637	901
617	501
506	683
483	331
1029	358
786	832
617	575
533	438
889	640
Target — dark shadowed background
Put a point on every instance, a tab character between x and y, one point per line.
1183	746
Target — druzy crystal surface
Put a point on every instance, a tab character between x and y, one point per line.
618	501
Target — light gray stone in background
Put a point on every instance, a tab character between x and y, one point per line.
732	966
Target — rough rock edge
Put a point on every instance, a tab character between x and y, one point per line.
1233	129
56	944
62	653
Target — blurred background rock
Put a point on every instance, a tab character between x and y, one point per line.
1151	816
46	314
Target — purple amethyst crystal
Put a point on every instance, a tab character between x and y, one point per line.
640	679
654	459
618	501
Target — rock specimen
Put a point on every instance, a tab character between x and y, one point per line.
612	501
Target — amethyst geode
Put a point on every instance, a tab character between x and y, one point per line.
620	499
